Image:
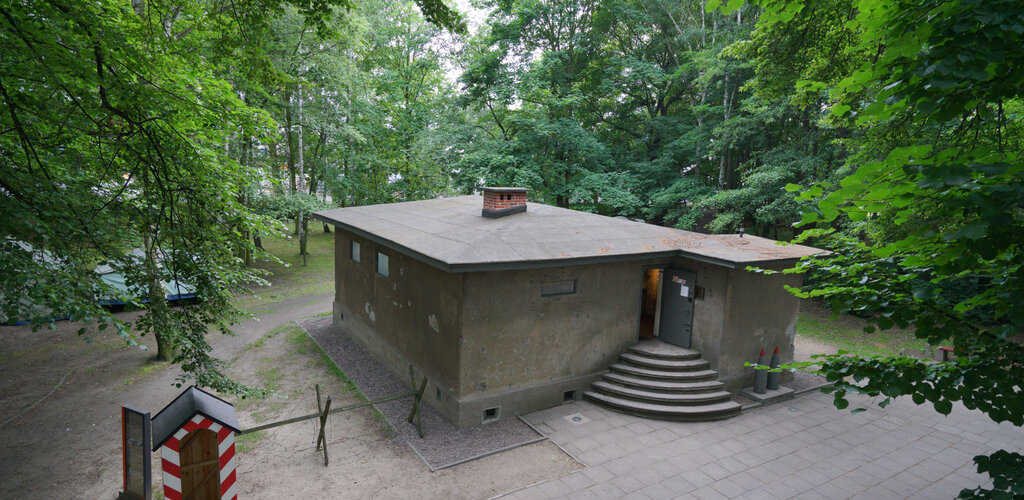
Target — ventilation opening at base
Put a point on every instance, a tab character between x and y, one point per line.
568	396
491	414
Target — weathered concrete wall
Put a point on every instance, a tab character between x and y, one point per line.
709	312
410	316
491	340
533	348
759	313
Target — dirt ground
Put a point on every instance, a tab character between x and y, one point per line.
68	444
804	348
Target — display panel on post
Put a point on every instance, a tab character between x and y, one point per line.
136	439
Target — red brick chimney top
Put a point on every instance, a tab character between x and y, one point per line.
502	201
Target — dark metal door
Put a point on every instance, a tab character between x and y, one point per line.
677	307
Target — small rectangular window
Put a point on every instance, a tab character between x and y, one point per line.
563	287
698	292
355	251
382	264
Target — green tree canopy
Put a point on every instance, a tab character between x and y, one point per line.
130	125
935	193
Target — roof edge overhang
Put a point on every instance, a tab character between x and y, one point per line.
159	441
536	264
157	445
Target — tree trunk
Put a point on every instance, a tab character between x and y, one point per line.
157	299
723	171
247	161
256	240
298	121
275	167
302	238
723	163
291	142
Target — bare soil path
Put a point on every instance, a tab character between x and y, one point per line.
68	444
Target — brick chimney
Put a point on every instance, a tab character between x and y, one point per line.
502	201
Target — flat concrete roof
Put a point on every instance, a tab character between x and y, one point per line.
450	233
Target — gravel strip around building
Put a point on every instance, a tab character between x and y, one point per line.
442	445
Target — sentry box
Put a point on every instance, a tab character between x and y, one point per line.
196	438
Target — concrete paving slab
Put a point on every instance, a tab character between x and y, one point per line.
659	492
801	449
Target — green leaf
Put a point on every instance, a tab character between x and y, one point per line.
884	323
840	110
731	6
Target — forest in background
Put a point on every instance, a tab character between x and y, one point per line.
889	132
647	110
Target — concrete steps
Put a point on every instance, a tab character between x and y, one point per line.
662	397
665	364
662	350
695	413
640	371
658	380
662	385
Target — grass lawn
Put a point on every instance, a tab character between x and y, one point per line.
290	278
847	334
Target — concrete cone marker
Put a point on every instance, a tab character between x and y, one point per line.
760	376
774	378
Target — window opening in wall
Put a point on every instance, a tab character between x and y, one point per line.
698	292
354	251
491	414
563	287
437	394
382	264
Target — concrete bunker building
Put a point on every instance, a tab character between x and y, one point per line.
509	307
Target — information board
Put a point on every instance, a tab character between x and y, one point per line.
136	439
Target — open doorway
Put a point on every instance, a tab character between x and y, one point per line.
649	304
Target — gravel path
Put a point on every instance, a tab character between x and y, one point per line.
442	445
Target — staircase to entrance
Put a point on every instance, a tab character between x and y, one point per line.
659	380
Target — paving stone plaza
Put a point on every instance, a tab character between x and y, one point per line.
801	448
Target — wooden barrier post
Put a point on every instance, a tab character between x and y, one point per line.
325	410
323	426
416	405
320	410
